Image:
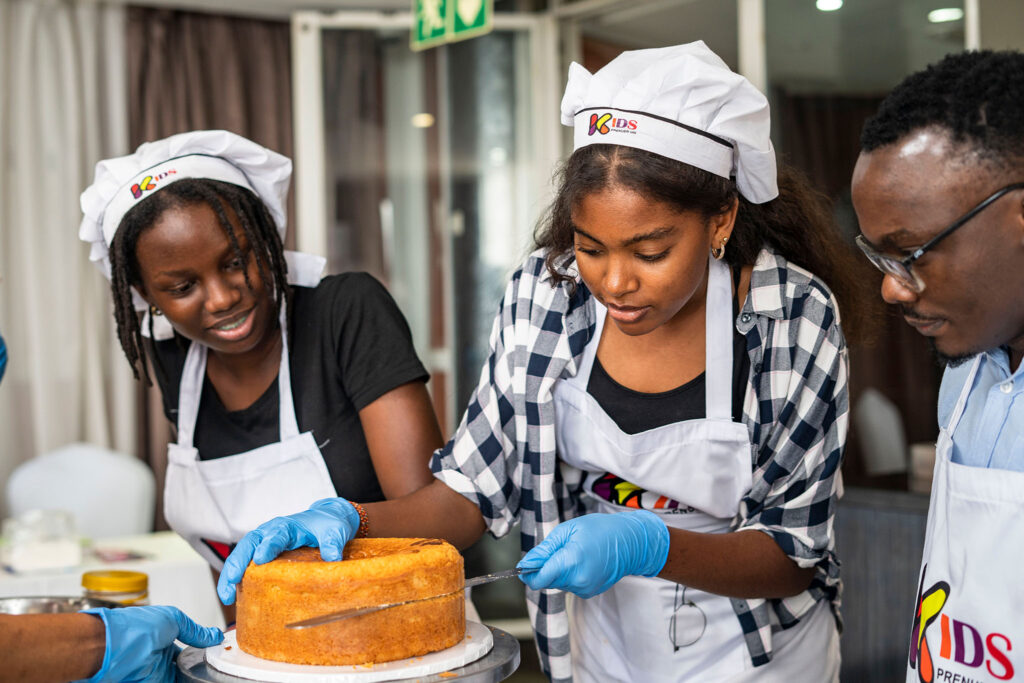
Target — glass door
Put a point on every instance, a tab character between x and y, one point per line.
427	169
430	170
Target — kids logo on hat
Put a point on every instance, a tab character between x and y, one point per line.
606	123
149	183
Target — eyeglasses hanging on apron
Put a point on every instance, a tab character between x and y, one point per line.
685	627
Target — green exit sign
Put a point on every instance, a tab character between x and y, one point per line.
445	21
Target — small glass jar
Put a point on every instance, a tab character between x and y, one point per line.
123	587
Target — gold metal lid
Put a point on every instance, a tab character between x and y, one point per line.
115	581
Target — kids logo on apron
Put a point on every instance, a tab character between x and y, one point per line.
213	503
968	623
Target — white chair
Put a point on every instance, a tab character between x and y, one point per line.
880	432
109	493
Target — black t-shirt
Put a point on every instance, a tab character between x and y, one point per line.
636	412
349	345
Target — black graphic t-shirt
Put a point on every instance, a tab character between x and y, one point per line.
349	345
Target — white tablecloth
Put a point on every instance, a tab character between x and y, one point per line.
177	575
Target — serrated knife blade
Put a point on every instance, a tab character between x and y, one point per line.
359	611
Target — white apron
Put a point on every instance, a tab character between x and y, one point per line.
970	599
213	503
649	629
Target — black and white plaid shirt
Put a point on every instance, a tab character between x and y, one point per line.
503	455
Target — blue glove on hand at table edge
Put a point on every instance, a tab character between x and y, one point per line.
589	554
140	642
328	524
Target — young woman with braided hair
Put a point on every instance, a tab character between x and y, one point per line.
283	386
257	227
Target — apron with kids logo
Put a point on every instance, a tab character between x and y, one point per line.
969	615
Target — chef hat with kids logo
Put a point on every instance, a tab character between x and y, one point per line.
683	103
122	182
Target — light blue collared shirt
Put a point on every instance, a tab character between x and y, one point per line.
991	431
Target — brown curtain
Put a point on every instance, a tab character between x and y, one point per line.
192	71
820	134
354	131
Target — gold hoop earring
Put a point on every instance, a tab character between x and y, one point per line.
720	251
154	310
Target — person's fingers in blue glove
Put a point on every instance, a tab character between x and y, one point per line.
328	524
589	554
194	635
3	357
140	642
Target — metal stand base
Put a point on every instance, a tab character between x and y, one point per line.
496	665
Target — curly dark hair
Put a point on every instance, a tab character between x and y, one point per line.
798	224
977	96
253	217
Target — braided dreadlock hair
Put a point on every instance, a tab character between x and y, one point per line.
255	220
978	97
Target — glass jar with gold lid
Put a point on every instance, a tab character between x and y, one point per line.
123	587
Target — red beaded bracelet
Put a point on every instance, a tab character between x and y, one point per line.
364	524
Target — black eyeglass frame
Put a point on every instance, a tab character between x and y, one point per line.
901	268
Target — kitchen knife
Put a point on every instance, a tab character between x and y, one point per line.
359	611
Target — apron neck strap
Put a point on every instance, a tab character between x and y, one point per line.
718	340
288	424
191	390
961	403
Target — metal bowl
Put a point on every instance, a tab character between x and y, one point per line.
49	604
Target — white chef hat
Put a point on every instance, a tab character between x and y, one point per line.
122	182
681	102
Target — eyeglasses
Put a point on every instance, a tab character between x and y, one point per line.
688	621
900	268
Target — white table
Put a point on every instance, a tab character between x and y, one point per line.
178	576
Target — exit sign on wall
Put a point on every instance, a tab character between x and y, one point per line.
445	21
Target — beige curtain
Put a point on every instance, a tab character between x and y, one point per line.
191	71
62	108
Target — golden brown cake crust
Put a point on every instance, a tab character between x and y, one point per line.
299	585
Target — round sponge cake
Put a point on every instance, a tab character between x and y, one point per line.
299	585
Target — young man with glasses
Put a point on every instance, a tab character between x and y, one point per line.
939	192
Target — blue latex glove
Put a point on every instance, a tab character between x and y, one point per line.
589	554
3	357
328	524
140	642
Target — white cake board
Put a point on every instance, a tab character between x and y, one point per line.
476	643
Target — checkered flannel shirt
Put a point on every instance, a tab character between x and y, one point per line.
503	456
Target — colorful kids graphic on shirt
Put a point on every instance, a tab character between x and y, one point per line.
618	491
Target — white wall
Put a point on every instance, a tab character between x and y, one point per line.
1002	24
